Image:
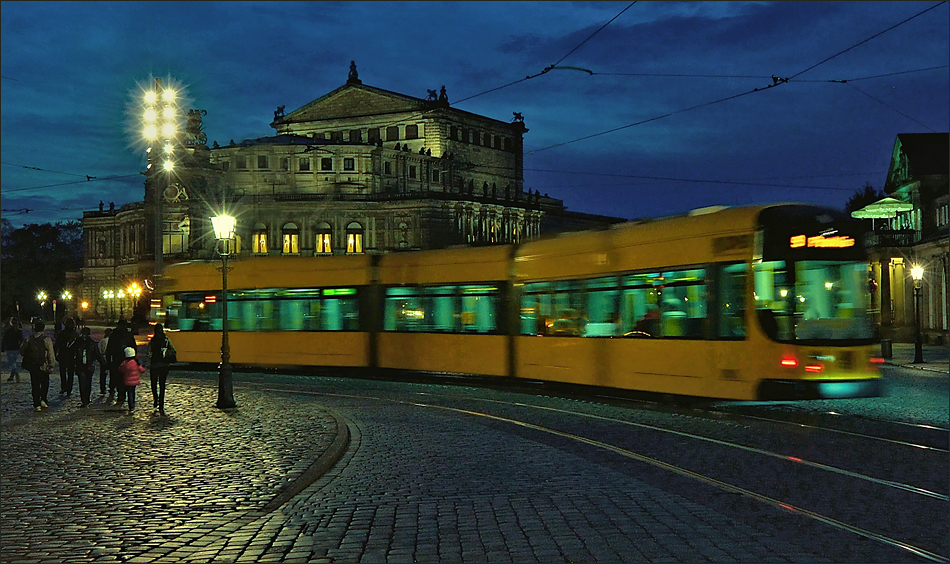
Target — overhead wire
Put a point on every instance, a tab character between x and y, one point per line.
885	104
549	68
776	81
868	39
7	190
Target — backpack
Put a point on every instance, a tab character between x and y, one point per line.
34	353
169	354
83	354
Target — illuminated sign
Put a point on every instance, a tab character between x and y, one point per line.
211	299
821	242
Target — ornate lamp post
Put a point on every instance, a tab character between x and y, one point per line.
66	296
41	297
161	122
917	273
224	233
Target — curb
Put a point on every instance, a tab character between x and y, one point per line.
319	467
924	368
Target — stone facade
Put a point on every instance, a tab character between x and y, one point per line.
918	174
358	170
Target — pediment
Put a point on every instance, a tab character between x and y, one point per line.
353	100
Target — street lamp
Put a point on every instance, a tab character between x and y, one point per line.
134	291
917	273
66	296
161	122
224	233
41	297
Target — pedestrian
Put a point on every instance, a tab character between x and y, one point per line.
130	370
85	355
121	339
161	355
65	340
38	355
103	364
12	341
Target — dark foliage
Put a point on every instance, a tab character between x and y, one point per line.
863	197
37	257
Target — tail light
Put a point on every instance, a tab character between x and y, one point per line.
789	361
876	360
814	368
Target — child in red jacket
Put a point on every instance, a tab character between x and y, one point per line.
130	369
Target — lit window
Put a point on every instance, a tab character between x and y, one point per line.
349	164
326	164
259	241
305	165
354	238
323	239
412	132
262	162
291	239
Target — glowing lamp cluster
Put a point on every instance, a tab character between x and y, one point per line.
161	120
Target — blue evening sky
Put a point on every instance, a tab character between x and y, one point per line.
669	120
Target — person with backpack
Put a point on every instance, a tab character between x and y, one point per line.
103	364
12	341
38	355
65	340
161	356
130	370
85	354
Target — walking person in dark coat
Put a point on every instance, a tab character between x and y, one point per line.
12	341
103	364
85	355
38	355
161	351
64	342
120	339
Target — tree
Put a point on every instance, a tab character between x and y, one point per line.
37	257
863	197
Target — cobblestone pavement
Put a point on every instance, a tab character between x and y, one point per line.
98	485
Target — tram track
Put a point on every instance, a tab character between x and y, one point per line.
708	477
550	421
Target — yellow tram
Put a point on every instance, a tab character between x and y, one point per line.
766	302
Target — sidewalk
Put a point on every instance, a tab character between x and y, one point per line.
935	359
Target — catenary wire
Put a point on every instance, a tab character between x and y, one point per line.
886	105
868	39
529	77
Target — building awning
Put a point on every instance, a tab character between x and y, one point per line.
882	209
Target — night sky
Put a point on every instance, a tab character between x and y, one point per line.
651	109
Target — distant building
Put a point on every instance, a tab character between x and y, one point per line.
920	175
358	170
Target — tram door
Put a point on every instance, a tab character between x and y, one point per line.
731	328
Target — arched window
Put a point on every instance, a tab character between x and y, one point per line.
259	239
354	238
323	246
291	237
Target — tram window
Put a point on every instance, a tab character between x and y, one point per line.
731	303
479	304
774	299
441	309
831	300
